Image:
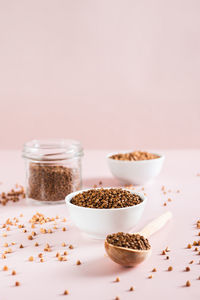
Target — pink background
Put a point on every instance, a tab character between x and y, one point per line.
113	74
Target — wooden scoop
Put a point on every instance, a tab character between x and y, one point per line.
130	257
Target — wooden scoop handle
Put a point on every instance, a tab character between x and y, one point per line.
155	225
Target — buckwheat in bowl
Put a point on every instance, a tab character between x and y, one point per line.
135	167
99	212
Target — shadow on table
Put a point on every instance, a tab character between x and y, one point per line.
103	266
106	182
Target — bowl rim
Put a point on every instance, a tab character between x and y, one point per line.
108	156
71	195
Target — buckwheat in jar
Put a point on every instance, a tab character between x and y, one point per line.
53	169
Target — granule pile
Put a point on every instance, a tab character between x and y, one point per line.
106	198
126	240
14	195
51	182
135	155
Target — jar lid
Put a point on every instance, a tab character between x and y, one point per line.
51	150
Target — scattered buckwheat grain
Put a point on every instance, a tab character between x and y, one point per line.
154	270
188	283
31	258
66	292
5	268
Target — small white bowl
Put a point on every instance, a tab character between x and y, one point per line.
98	223
135	172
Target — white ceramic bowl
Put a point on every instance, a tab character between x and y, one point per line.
98	223
135	172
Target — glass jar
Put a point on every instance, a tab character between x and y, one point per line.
53	169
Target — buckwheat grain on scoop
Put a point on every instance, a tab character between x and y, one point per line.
106	198
126	240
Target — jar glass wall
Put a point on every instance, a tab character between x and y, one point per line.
53	169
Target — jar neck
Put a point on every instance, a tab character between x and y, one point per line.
52	150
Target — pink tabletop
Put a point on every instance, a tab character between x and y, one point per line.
94	278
